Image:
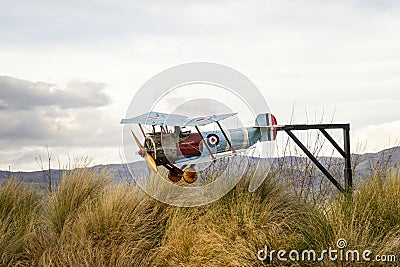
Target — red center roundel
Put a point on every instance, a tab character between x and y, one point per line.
212	140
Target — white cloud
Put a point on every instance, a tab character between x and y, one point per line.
379	136
17	94
36	115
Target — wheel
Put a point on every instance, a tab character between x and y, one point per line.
174	177
190	175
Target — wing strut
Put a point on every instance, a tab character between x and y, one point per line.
205	143
226	137
141	129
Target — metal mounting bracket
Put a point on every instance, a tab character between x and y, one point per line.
345	152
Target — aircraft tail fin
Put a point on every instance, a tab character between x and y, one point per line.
266	122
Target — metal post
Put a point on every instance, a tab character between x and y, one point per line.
348	173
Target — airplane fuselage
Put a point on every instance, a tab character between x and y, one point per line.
171	148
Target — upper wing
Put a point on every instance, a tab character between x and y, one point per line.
158	118
198	121
155	118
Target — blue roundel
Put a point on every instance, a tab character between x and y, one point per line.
212	140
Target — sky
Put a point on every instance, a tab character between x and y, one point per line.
69	69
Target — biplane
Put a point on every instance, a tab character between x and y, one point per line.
177	140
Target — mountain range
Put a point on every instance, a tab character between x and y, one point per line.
365	163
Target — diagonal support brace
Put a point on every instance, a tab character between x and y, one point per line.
315	160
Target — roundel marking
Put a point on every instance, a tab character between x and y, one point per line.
212	140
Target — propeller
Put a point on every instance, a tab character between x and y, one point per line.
149	159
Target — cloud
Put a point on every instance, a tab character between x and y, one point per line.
18	94
39	114
379	136
316	54
67	156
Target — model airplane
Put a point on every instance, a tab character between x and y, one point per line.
167	147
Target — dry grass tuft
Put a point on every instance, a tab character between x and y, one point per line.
19	212
370	219
90	222
230	231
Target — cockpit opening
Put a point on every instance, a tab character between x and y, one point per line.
182	132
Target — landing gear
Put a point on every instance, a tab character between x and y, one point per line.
174	177
175	174
189	175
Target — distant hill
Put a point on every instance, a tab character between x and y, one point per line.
366	162
390	157
40	178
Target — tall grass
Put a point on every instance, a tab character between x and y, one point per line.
78	188
369	220
19	212
88	221
230	231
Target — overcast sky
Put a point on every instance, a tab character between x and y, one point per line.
69	69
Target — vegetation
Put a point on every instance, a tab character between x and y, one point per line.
88	221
